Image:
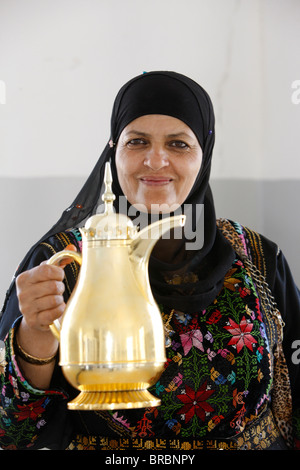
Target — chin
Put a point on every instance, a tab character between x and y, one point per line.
157	208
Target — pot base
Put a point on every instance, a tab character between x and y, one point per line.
116	400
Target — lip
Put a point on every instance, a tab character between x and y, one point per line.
156	180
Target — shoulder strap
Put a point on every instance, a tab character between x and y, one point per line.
247	245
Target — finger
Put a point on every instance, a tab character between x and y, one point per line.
46	288
43	272
71	247
67	260
41	321
31	296
47	317
46	303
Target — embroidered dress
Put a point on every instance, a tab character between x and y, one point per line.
216	384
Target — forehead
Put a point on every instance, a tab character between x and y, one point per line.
158	123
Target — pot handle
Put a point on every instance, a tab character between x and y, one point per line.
55	260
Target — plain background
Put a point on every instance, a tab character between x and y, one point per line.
63	61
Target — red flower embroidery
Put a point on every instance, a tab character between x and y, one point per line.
144	427
244	291
32	410
241	334
195	402
215	317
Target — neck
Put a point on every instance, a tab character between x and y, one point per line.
169	251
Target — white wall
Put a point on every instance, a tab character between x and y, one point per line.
62	62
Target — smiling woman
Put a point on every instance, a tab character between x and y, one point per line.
157	158
229	377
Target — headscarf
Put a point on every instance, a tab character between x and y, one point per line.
175	95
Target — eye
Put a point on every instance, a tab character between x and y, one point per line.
136	142
179	144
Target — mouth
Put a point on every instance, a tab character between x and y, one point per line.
156	180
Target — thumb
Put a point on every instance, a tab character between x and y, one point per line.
67	261
71	248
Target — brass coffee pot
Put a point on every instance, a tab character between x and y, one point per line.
112	342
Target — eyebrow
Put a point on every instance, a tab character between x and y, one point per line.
180	134
142	134
172	136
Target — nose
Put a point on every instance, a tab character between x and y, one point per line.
156	159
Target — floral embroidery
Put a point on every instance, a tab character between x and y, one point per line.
32	411
144	427
217	377
195	402
241	334
218	360
230	281
192	338
23	409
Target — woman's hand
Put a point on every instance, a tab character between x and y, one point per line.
40	294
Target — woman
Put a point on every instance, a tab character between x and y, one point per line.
220	388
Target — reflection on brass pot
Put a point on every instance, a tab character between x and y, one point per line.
112	345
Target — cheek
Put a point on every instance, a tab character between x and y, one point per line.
189	171
126	169
121	165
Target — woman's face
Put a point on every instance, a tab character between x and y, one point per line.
158	158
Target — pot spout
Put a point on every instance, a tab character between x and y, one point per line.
141	247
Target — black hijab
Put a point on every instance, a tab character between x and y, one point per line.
175	95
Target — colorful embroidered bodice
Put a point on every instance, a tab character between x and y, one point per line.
217	374
217	379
